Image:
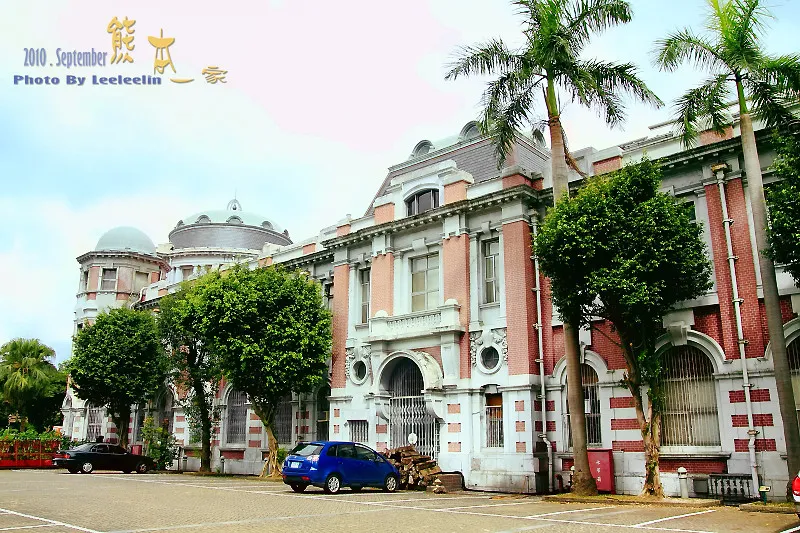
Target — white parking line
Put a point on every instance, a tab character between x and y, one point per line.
791	530
52	522
570	511
25	527
673	517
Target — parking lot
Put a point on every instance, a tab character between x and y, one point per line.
56	502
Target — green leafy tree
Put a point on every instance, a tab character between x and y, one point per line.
160	443
272	334
27	376
193	367
551	63
764	87
784	206
622	251
118	362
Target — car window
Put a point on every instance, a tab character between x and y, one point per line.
364	453
83	448
118	450
331	451
307	450
100	448
347	451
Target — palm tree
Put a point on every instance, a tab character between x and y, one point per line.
25	372
732	54
556	34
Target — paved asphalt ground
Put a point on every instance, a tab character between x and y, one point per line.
56	502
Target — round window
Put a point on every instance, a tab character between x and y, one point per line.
360	370
490	358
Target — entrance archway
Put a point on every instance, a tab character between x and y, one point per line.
407	412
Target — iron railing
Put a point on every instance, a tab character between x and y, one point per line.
494	426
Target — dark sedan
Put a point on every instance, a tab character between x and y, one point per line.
87	458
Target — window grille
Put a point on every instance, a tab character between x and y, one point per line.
359	431
690	400
236	417
365	293
94	423
140	412
591	408
494	420
66	428
109	281
793	353
425	282
491	290
282	427
422	201
323	412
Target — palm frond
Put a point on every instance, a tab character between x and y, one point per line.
686	46
600	84
488	58
783	72
701	106
595	16
507	118
770	103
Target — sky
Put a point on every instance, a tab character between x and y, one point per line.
320	99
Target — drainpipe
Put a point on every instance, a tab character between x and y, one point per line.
719	172
540	360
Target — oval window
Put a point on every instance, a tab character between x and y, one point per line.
490	358
360	370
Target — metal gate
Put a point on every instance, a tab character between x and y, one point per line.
591	408
407	412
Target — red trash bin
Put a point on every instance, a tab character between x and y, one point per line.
601	464
136	449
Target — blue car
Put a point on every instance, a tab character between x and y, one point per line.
333	465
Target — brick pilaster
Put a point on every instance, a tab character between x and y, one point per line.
520	299
382	284
341	282
455	261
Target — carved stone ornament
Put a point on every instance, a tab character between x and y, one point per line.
475	342
349	359
499	339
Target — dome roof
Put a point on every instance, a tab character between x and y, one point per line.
233	214
126	239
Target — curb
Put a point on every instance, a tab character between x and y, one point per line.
761	508
667	502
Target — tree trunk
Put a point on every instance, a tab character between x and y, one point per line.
205	424
783	376
583	482
267	415
650	426
123	421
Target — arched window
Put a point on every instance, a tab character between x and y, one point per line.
422	201
236	417
203	219
793	352
470	131
94	423
591	407
422	148
690	416
282	426
66	428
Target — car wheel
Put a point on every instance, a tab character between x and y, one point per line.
390	483
333	484
142	468
87	468
356	488
298	487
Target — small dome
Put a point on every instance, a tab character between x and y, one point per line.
125	239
